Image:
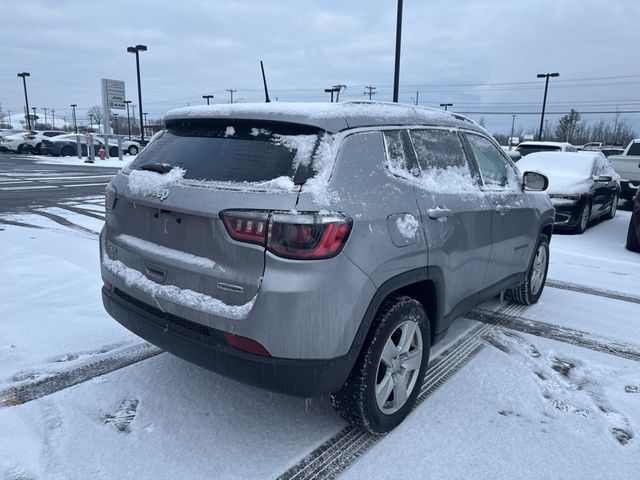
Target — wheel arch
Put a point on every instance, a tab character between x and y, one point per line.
423	284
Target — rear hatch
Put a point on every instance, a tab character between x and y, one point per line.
167	220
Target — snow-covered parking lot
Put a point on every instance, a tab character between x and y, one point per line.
549	391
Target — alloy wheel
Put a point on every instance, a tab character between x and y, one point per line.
398	367
538	269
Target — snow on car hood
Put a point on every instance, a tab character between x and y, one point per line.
567	184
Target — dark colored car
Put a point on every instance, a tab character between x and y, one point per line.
633	235
583	186
67	146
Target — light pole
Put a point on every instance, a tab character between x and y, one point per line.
34	118
128	120
75	125
513	124
45	116
207	97
137	49
24	76
396	73
446	105
145	120
546	76
91	121
115	121
231	91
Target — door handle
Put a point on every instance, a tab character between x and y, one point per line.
439	212
503	209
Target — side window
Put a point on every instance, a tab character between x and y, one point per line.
494	168
442	160
398	161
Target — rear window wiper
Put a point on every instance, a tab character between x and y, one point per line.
156	167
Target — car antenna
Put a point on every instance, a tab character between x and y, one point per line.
264	80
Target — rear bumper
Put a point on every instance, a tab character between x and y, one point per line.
207	348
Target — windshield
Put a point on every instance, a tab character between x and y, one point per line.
234	150
527	149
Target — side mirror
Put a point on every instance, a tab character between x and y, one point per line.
514	155
603	179
534	182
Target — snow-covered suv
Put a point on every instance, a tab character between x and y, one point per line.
319	248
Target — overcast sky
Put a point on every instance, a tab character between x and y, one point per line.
457	51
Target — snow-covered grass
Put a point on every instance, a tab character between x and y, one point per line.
524	407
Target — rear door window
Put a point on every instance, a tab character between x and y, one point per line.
399	159
442	160
235	150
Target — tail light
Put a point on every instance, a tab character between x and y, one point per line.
299	236
245	344
110	196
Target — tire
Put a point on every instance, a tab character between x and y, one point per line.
67	151
113	152
529	291
132	150
583	221
614	208
20	149
398	319
37	149
633	241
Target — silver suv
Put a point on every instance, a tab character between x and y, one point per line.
319	248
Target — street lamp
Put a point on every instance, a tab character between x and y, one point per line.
136	50
128	120
207	97
396	73
446	105
75	125
24	76
546	76
116	122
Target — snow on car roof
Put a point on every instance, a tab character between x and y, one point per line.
550	144
332	117
575	164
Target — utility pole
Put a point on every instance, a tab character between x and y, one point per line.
396	74
371	91
446	105
75	124
53	119
231	91
127	102
338	88
34	118
133	113
546	76
145	119
417	97
513	124
45	116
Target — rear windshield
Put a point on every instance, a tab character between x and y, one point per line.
527	149
234	150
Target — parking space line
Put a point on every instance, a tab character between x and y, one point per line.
600	292
30	187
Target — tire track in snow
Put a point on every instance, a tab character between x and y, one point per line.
339	452
560	334
599	292
65	379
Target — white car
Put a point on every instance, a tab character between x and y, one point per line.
128	146
28	142
525	148
13	143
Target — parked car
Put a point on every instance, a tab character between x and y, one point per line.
285	245
525	148
13	143
583	186
33	140
633	234
67	145
628	167
591	146
10	131
608	150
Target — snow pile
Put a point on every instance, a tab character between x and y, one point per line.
154	184
279	184
259	131
229	132
170	253
184	297
407	226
